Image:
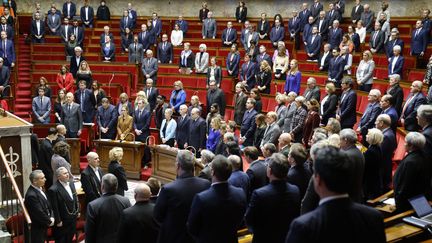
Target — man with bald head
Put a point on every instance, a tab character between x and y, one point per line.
284	143
91	178
137	221
61	133
409	110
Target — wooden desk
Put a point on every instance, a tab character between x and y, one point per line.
401	232
132	155
75	150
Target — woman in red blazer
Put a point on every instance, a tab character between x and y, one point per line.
65	79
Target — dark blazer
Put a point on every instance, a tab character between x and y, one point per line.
44	157
218	97
123	24
224	221
72	10
203	14
388	147
241	15
312	94
232	37
142	123
7	54
419	42
88	104
412	178
197	133
234	64
156	27
264	26
264	79
323	31
217	75
247	73
356	41
65	208
271	209
390	44
182	132
136	222
65	35
304	16
116	169
190	61
315	9
79	34
329	108
398	67
427	132
336	68
173	206
183	26
347	108
107	118
111	53
326	61
261	57
40	211
356	173
151	98
248	126
9	31
314	47
367	121
126	41
335	37
90	15
102	219
277	35
91	184
378	43
410	113
257	173
338	220
145	39
333	16
294	26
33	28
73	66
356	15
372	180
368	19
299	175
165	55
136	54
307	31
239	107
391	111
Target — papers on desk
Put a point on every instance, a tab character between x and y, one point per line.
390	201
417	222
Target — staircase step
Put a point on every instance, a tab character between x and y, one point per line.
23	100
23	93
24	85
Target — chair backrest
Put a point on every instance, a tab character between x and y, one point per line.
15	224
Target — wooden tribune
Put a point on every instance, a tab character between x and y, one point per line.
132	155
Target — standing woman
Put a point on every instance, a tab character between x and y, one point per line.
214	134
241	12
98	93
187	59
365	72
84	73
215	72
233	61
328	103
115	168
176	36
70	46
60	101
312	121
65	79
372	186
240	99
255	94
201	59
168	129
178	96
264	78
280	108
203	12
124	125
293	79
280	63
126	39
260	121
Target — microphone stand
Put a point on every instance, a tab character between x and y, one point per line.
109	84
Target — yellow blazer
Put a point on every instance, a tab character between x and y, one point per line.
124	126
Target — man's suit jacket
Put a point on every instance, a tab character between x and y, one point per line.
79	34
142	123
257	173
91	184
136	222
357	164
294	26
304	16
72	10
391	111
307	31
234	64
299	175
182	133
102	219
239	107
41	110
209	28
88	104
335	37
111	53
65	207
336	68
44	157
356	15
197	133
156	27
410	112
248	126
314	93
368	19
338	220
315	9
224	221
243	36
73	67
390	44
145	39
126	24
398	67
333	16
412	178
427	132
378	42
315	46
107	118
4	76
65	35
261	57
232	37
151	97
33	28
72	119
271	209
326	61
54	22
40	211
323	31
218	97
419	42
264	26
135	55
90	15
150	67
388	147
271	135
367	121
9	31
347	109
277	34
7	54
183	26
173	206
255	37
165	54
247	73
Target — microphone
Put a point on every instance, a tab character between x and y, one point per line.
109	84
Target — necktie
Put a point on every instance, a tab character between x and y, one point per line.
97	174
148	92
69	108
163	46
417	31
135	46
126	21
41	102
4	49
406	105
331	13
76	32
139	114
313	38
228	32
82	101
374	38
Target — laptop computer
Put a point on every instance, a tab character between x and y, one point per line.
421	207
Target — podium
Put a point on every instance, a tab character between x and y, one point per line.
132	155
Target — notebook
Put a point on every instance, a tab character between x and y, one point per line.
423	210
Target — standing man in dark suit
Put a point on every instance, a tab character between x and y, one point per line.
263	56
263	27
45	154
393	41
125	22
409	110
274	206
71	117
388	147
257	171
209	27
64	201
144	37
294	29
377	39
323	26
335	34
69	9
165	51
424	118
78	31
209	221
304	16
419	40
333	14
37	29
91	178
76	61
396	62
65	30
6	27
175	199
197	132
315	9
151	93
347	106
336	68
136	51
4	79
7	50
248	126
247	72
277	33
137	221
107	119
307	31
356	12
337	218
102	219
371	113
87	15
38	207
229	35
367	17
182	131
150	66
313	45
156	25
312	91
216	95
86	100
141	122
324	58
132	15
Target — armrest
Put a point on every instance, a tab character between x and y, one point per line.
381	198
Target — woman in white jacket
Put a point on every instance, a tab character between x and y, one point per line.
202	59
176	36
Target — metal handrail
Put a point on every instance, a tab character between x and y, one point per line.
16	188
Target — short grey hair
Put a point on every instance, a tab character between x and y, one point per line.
34	174
300	99
59	170
415	139
316	147
149	51
425	112
235	161
109	183
185	160
311	80
375	92
318	136
203	46
396	77
374	136
397	48
349	135
77	48
292	93
207	155
386	119
229	136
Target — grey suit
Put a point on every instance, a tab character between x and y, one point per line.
54	23
71	117
41	109
271	134
285	122
201	63
135	53
209	28
58	161
150	67
312	94
255	37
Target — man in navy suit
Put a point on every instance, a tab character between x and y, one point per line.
6	27
294	29
377	39
313	45
144	37
37	29
424	118
76	61
141	122
85	98
388	147
324	58
197	132
409	110
4	79
388	108
182	131
87	15
336	68
307	31
273	207
126	22
7	50
335	34
229	35
257	171
107	119
91	178
41	107
315	9
333	14
149	66
132	15
69	9
175	199
247	72
419	40
277	33
156	25
106	33
348	103
337	218
392	42
396	62
208	220
245	34
165	50
304	16
151	93
369	116
54	21
263	56
183	24
247	129
78	31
